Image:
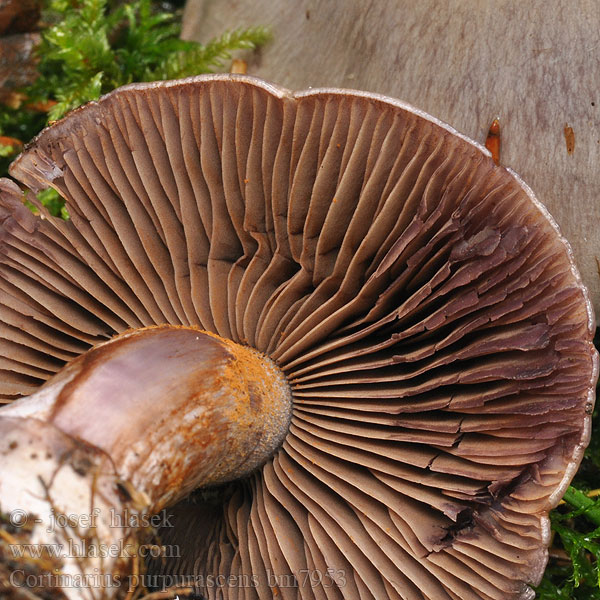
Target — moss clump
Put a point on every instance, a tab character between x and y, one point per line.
573	571
90	47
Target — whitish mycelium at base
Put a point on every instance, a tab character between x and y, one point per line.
127	428
416	298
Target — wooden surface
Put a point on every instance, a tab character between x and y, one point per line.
534	64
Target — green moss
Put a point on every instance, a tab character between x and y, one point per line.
94	46
576	529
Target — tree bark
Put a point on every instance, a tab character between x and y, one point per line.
532	64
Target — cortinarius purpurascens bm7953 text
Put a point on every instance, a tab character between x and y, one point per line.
366	343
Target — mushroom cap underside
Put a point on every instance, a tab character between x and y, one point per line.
421	303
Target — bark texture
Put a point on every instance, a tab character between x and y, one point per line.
533	64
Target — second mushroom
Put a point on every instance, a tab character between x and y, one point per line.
342	351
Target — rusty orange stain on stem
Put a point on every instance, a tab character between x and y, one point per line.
492	141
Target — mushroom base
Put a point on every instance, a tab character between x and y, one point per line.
163	411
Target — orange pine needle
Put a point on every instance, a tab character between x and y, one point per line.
239	66
40	106
492	142
10	141
569	138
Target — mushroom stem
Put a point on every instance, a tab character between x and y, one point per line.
136	424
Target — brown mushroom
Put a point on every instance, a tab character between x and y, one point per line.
466	63
417	298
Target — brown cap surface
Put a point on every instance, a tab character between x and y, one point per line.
420	301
